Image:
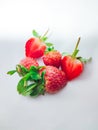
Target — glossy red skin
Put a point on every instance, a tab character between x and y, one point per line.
34	48
72	67
28	62
52	58
55	79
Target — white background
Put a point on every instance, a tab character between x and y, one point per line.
76	106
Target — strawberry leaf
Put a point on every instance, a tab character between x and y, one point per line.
25	89
84	60
35	34
39	90
42	76
28	89
11	72
24	70
34	68
65	54
20	86
18	69
50	47
27	76
48	44
35	76
44	38
34	73
34	92
21	70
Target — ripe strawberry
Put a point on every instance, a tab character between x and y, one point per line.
73	66
28	62
55	79
35	48
52	58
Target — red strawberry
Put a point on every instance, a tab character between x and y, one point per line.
52	58
28	62
73	66
55	79
34	48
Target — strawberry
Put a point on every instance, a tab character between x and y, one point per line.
39	80
52	57
73	66
35	46
55	79
28	62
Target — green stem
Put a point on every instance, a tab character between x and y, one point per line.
76	48
77	43
44	34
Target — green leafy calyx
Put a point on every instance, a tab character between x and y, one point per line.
32	82
41	37
44	38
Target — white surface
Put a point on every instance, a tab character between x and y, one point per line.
76	106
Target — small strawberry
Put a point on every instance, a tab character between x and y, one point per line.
28	62
52	57
73	66
35	46
55	79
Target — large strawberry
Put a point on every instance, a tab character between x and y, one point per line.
72	65
35	46
38	80
52	57
55	79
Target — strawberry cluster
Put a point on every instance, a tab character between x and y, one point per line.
56	72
